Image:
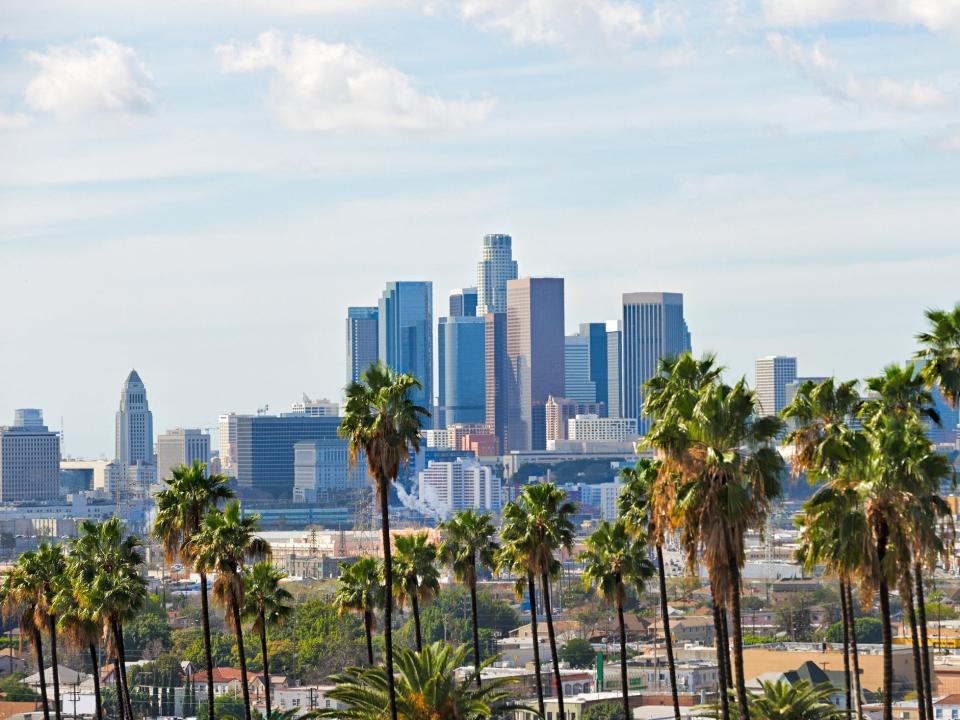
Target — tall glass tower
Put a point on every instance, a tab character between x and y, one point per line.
653	328
496	267
405	318
362	340
134	423
461	371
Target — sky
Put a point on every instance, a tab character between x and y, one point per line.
198	189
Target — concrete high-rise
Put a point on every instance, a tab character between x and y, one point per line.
773	374
463	302
498	382
494	270
446	487
362	340
134	423
614	372
653	328
576	368
535	347
29	461
406	334
461	364
181	446
322	471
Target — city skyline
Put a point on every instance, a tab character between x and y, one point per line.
782	168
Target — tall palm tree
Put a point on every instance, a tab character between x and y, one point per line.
940	352
546	531
416	577
468	545
266	602
19	597
614	560
635	505
108	567
512	559
427	689
727	474
189	495
382	421
225	542
360	589
81	629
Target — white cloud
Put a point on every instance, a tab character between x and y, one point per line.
14	121
571	24
935	15
839	84
324	86
92	75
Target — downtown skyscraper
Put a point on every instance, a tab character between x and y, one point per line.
461	371
653	328
494	270
405	342
362	340
773	374
134	424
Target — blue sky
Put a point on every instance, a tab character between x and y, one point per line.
199	189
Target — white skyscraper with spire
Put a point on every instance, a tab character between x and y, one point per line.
134	428
493	271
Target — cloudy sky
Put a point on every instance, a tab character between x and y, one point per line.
198	188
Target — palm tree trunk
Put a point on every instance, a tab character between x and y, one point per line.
38	648
244	681
548	609
384	488
721	665
924	646
882	535
854	651
266	663
368	630
474	622
96	681
725	631
415	603
122	677
531	589
738	640
907	594
624	688
52	629
846	650
668	641
207	650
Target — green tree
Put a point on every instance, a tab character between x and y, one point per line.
416	578
225	707
382	421
614	559
603	711
578	653
189	495
266	603
868	630
225	542
146	629
360	589
426	687
800	701
468	546
12	688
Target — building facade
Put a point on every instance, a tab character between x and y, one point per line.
494	270
653	328
461	359
577	384
405	318
559	411
463	302
774	374
182	446
593	428
322	472
535	347
316	408
498	381
614	373
598	343
134	423
449	487
29	460
363	337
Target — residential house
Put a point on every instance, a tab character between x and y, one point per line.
691	629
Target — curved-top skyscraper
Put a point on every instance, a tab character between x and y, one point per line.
493	271
134	429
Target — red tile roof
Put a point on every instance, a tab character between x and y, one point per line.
223	675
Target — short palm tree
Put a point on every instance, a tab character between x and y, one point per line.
782	700
189	495
19	598
360	589
647	522
382	421
80	628
468	546
426	688
546	531
266	603
225	542
415	577
613	561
